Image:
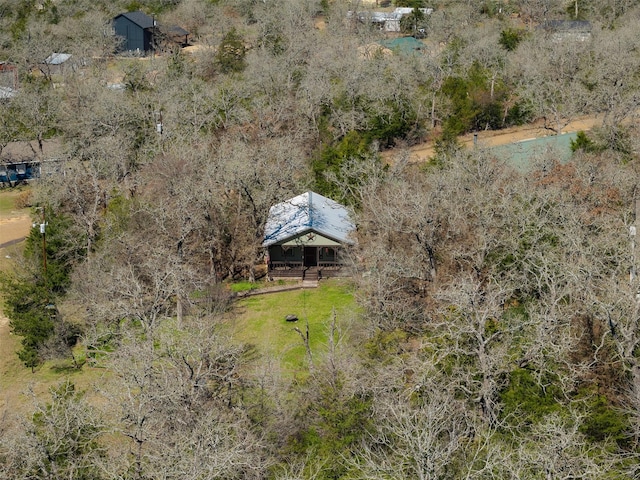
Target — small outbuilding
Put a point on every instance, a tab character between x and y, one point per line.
306	235
136	30
8	77
56	63
173	35
7	93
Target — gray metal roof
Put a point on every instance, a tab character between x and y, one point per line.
139	18
173	30
7	92
57	58
308	212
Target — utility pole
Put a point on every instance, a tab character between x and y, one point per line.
43	228
633	273
632	270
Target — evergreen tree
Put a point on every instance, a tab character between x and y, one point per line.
231	53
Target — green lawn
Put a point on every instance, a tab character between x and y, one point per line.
8	197
260	320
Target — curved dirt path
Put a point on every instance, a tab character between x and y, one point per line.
14	229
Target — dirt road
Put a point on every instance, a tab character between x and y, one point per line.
14	229
491	138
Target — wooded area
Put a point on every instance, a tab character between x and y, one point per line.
497	328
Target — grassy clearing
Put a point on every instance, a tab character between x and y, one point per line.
260	320
243	286
6	203
16	380
9	197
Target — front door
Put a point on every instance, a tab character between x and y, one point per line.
310	256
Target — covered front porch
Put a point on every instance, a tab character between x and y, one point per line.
305	261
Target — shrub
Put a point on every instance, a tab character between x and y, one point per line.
584	143
23	199
231	53
510	39
526	399
603	422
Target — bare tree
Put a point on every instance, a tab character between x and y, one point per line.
615	91
537	11
176	396
551	79
37	109
62	440
556	449
419	441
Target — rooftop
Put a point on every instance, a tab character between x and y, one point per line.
139	18
309	211
57	58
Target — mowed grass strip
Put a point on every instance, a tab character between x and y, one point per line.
260	320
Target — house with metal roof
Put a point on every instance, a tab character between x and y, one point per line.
387	21
56	63
305	237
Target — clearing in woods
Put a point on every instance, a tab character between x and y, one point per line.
15	224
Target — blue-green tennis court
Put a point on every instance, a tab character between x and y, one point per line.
521	154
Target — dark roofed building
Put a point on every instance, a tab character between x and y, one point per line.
141	33
174	34
136	30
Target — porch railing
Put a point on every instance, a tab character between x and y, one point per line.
330	265
285	266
